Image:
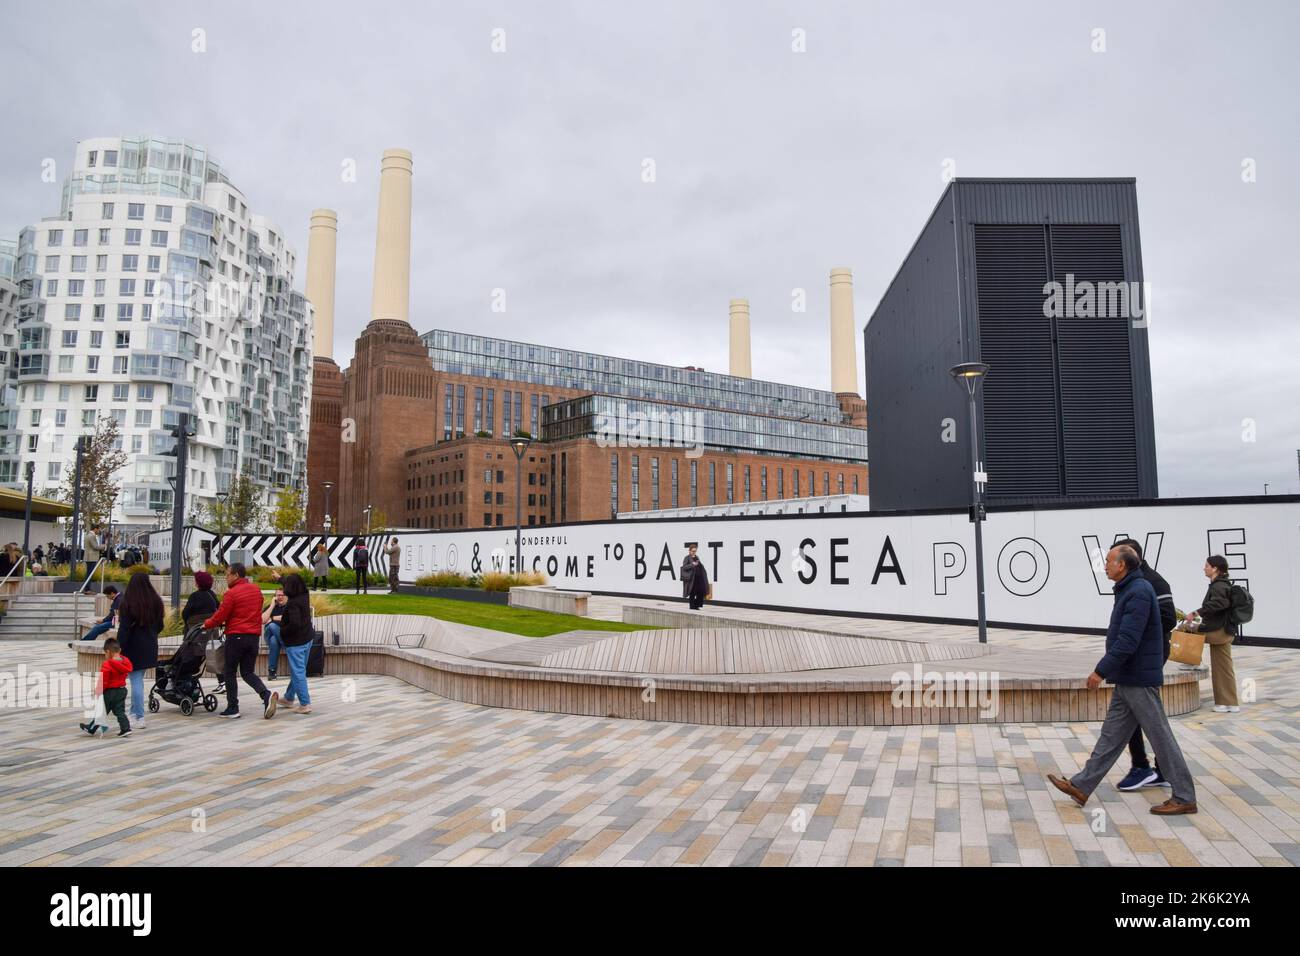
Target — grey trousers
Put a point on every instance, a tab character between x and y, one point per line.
1130	708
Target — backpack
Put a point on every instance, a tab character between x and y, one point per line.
1241	606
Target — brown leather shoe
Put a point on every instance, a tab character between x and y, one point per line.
1172	807
1069	789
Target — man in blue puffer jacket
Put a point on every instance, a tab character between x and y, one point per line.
1134	663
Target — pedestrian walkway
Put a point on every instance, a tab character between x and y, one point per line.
386	774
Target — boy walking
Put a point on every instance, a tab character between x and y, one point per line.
112	686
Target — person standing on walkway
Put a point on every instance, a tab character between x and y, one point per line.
297	635
394	552
320	567
241	612
695	580
93	547
1140	774
1214	620
1133	664
139	622
360	563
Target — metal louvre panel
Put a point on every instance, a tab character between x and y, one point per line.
1096	385
1020	410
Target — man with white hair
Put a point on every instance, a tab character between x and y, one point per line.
1134	663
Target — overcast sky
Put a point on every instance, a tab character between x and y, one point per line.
771	165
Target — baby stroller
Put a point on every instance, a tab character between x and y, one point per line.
177	678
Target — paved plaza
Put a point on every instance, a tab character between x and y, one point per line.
384	774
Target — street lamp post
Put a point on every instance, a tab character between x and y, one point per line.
329	485
970	374
27	517
520	445
369	509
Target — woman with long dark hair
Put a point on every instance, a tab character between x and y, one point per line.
139	622
1219	632
296	636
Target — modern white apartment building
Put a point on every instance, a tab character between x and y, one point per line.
156	291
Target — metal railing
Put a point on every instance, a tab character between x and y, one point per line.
22	559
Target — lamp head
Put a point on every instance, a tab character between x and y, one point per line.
969	374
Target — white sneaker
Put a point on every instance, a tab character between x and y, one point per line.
139	724
1234	709
1226	709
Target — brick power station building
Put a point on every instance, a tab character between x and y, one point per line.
418	427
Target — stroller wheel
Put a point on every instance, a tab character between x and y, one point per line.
210	703
187	706
153	704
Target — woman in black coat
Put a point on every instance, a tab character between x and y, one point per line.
139	622
296	636
695	580
202	602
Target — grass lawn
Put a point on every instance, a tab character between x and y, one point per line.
497	617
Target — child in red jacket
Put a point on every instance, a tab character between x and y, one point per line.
112	684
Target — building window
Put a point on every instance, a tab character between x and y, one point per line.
794	482
826	483
713	482
855	484
478	409
762	481
840	482
460	411
446	415
105	212
79	236
636	482
135	210
162	213
695	482
654	484
613	485
533	430
133	237
747	494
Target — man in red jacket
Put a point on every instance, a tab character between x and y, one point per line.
241	612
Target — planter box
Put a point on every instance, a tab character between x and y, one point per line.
457	594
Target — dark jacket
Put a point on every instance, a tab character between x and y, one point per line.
139	641
1134	640
693	572
361	558
1165	595
295	622
1214	610
201	604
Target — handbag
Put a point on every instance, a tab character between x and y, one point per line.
1186	647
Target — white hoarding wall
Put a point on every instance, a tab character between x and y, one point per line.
1042	567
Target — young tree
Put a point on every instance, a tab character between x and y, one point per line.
289	512
241	511
100	461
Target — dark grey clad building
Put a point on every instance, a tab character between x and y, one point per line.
1039	278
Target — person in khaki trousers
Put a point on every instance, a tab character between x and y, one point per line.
1219	631
394	552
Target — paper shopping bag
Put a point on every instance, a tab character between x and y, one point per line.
1186	647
